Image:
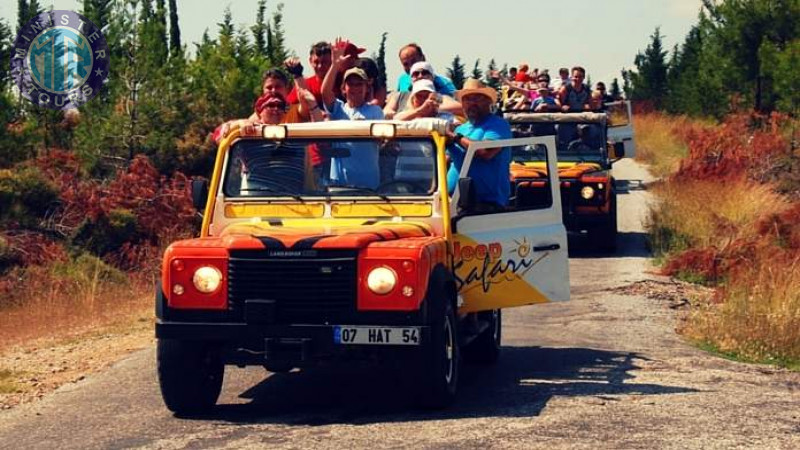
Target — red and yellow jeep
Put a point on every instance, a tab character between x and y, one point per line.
338	241
587	146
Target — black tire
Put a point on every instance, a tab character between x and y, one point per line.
190	375
606	236
441	363
485	349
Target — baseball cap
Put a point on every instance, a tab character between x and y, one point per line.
356	71
423	85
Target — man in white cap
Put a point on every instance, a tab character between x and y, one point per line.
490	169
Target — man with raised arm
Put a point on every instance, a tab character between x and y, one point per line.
361	167
490	168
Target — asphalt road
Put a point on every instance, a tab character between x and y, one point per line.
604	370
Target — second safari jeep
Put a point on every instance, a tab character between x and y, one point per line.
587	146
338	242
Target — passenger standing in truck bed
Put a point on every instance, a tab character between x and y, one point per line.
361	167
490	170
576	96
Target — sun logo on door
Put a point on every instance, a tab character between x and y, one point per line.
523	248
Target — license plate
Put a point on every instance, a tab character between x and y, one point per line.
361	335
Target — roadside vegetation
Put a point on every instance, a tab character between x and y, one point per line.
727	215
719	127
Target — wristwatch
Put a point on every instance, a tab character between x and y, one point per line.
457	138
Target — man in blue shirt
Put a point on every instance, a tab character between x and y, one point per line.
490	168
411	54
361	167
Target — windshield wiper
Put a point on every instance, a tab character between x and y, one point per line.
274	191
350	189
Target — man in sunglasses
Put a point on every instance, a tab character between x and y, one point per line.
411	54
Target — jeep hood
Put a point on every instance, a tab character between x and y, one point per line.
565	170
343	235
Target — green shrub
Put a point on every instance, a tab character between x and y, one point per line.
107	233
25	196
86	268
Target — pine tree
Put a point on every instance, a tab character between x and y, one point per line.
160	45
174	30
380	59
489	80
278	52
626	83
477	73
456	72
34	9
504	71
22	14
649	82
259	29
226	27
98	12
615	92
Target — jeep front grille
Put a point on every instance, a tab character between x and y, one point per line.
315	287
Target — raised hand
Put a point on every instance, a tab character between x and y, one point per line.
307	99
337	52
294	66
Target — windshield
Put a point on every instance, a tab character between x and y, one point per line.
575	142
331	167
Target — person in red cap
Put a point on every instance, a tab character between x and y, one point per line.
272	108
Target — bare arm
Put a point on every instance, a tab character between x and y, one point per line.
465	142
309	103
338	59
391	106
450	105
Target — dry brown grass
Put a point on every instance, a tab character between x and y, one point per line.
660	141
709	213
65	300
708	225
758	317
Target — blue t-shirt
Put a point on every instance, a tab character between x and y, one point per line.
490	177
547	100
442	84
361	167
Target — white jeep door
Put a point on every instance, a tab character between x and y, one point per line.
620	126
515	257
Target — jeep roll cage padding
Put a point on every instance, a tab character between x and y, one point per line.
584	117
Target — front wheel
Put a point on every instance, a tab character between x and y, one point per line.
190	375
606	236
441	364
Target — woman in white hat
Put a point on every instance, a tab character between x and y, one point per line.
401	101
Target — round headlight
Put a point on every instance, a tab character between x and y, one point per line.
207	279
587	192
381	280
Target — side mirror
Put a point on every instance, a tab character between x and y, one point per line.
618	150
466	197
199	194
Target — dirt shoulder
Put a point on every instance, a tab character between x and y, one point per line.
31	371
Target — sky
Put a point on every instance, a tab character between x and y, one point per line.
601	35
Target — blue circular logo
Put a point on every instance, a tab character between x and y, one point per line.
60	60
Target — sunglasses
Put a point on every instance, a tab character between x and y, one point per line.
420	73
